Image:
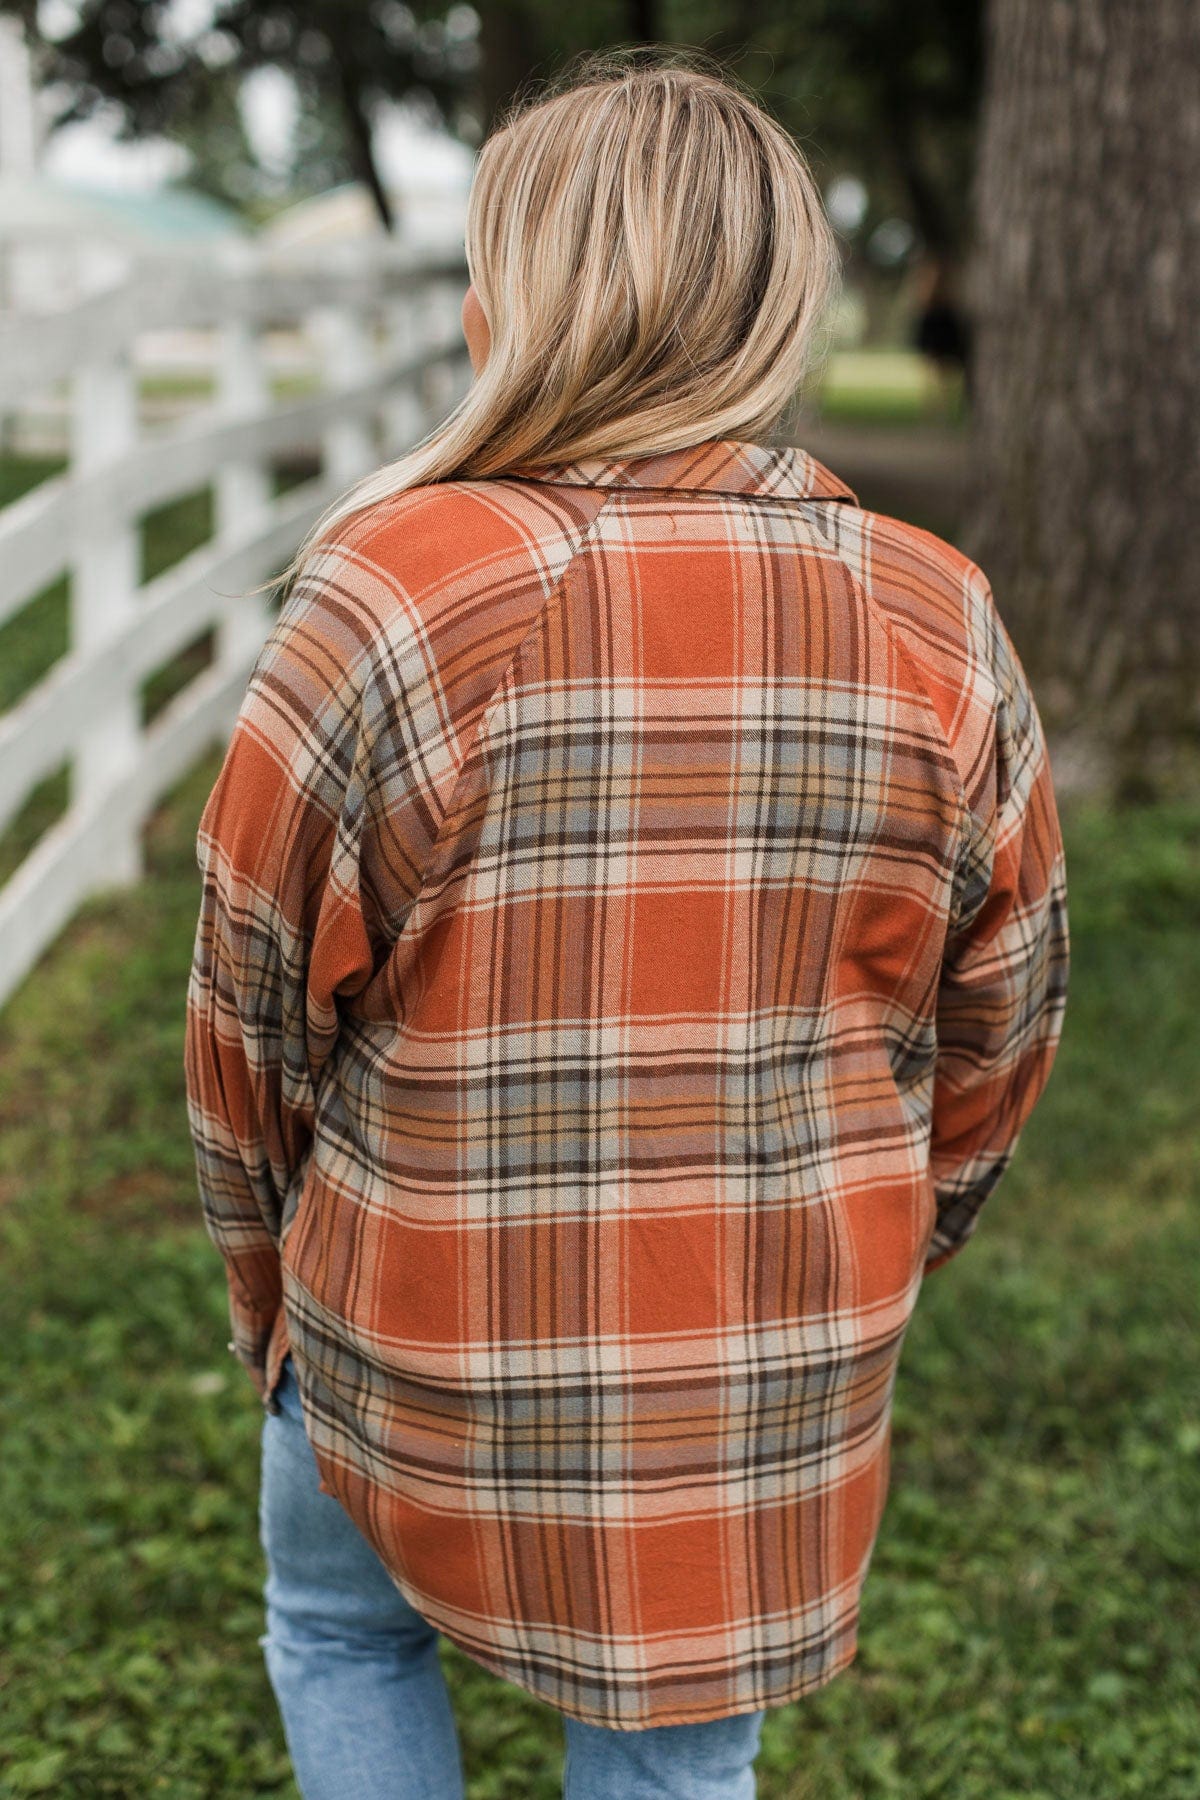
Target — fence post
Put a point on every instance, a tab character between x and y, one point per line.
242	500
347	354
440	305
430	333
403	411
105	577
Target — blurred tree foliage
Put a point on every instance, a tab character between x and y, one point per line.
344	55
890	92
223	161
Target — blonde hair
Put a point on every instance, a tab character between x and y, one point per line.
652	257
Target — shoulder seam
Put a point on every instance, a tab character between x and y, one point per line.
895	633
535	625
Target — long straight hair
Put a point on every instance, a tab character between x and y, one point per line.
652	258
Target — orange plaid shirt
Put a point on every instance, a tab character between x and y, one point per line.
633	937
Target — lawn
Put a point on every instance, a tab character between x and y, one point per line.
1032	1610
34	638
1033	1605
885	387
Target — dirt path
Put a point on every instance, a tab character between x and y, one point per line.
912	472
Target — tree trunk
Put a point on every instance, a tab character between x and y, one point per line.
1086	294
362	147
643	22
510	52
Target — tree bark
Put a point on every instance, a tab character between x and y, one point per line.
1086	295
643	21
511	50
362	147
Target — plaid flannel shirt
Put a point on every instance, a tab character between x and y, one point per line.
633	938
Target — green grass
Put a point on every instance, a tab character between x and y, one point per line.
876	386
200	387
42	807
1034	1601
181	385
1032	1611
883	387
34	639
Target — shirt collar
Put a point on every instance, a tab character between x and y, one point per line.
721	465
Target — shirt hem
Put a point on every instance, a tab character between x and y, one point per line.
796	1689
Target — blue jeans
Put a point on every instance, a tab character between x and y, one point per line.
355	1670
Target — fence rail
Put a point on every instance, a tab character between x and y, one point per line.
383	340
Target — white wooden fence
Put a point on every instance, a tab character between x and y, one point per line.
385	336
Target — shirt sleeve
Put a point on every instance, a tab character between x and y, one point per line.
286	929
1003	983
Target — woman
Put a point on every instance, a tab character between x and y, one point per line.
633	937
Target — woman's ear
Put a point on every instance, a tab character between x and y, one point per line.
475	329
